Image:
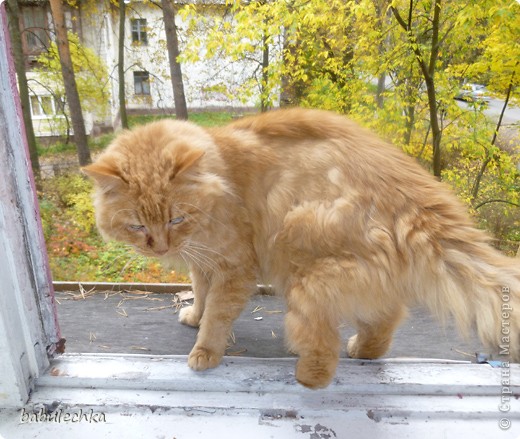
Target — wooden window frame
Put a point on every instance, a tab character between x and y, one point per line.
29	331
141	79
138	28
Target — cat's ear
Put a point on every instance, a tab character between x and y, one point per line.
105	176
185	158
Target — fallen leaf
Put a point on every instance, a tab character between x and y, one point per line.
185	295
55	372
157	308
236	353
139	348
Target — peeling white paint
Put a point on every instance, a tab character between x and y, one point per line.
27	316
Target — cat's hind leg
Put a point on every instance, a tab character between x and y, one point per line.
373	339
312	331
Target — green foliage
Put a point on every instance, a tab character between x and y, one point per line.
73	194
497	63
90	72
333	51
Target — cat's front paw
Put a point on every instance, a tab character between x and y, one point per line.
315	372
202	358
188	316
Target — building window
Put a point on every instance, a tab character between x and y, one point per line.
43	106
139	31
142	83
35	26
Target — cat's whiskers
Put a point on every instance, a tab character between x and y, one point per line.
207	260
128	263
202	260
189	260
211	217
203	247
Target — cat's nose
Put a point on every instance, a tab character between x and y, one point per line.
161	251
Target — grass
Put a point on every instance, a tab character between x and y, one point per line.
75	249
203	118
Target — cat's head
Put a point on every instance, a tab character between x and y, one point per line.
155	186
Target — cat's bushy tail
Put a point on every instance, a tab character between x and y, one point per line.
480	287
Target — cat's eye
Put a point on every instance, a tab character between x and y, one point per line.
177	220
136	227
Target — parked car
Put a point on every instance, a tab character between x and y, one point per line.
473	93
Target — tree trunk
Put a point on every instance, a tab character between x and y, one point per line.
430	85
19	62
172	42
489	156
121	65
381	80
382	17
410	123
285	86
292	89
264	100
428	71
435	127
69	80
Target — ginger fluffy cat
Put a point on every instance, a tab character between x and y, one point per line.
345	226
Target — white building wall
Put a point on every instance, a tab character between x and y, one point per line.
202	79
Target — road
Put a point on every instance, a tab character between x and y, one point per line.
511	116
494	108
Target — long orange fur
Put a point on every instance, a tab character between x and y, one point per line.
345	226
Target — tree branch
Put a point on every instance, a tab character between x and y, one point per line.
485	163
413	41
435	36
398	17
410	11
495	200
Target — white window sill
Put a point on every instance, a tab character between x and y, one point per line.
159	396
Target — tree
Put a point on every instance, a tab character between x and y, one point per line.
121	65
237	40
500	61
428	65
332	51
172	43
69	80
19	62
90	73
